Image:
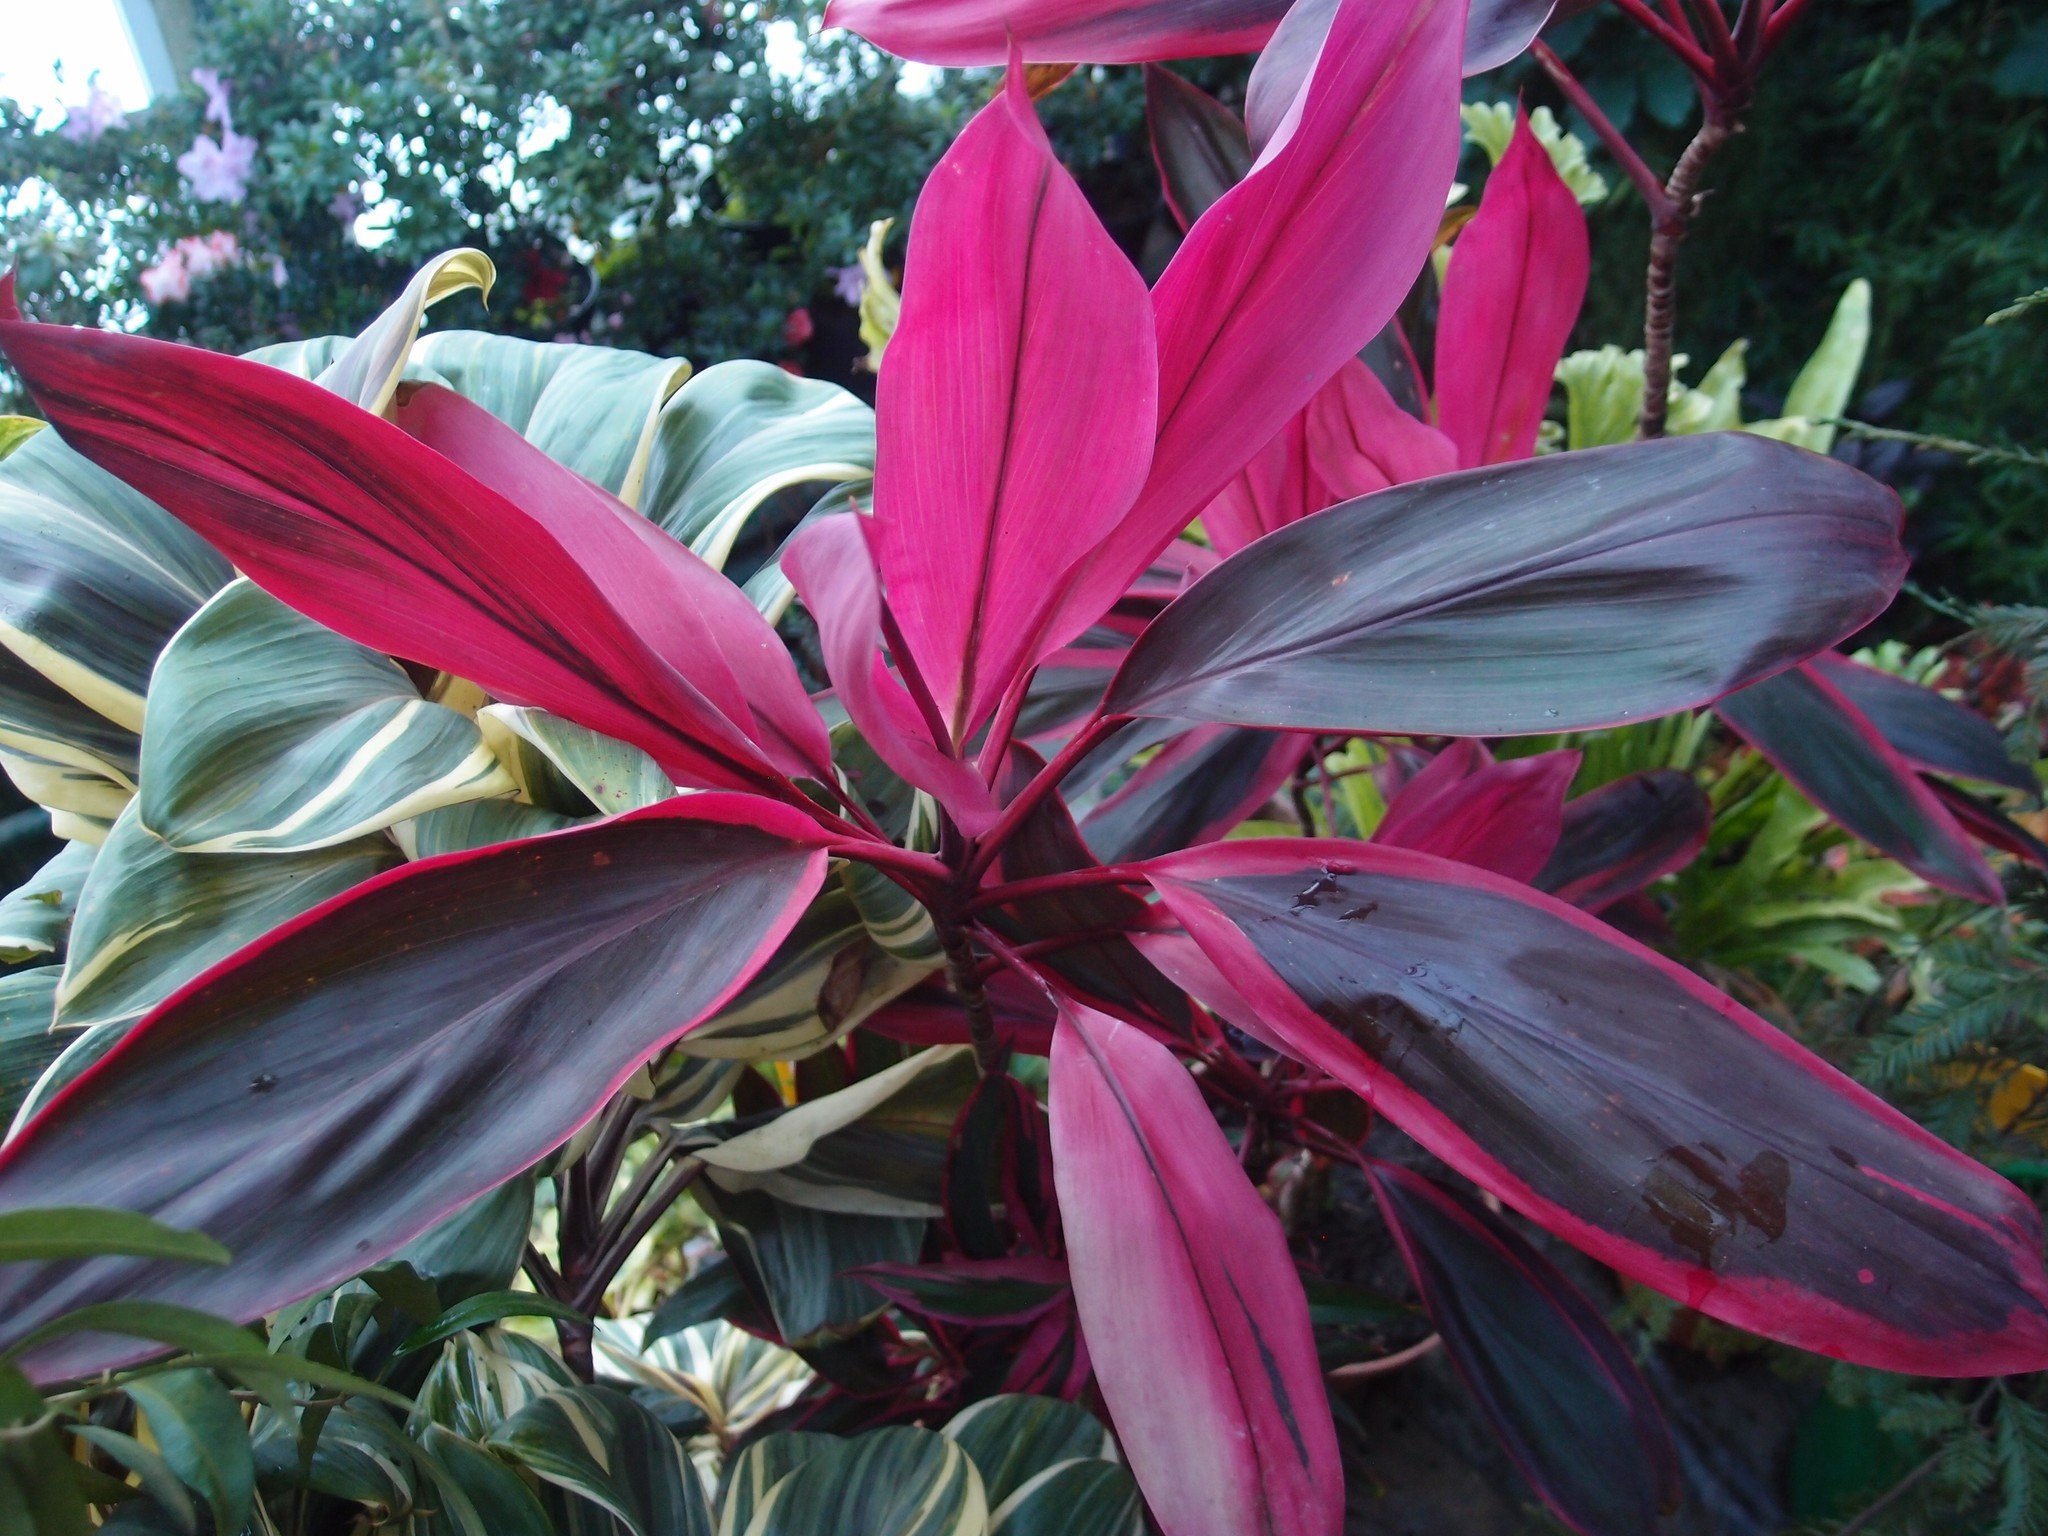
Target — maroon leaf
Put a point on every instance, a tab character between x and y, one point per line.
1624	835
324	1095
574	605
985	1292
1554	1383
1182	1277
1988	824
1934	734
1834	755
1197	142
1620	1101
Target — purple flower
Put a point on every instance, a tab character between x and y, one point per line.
849	282
219	173
100	111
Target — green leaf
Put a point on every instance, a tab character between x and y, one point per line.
612	775
745	442
1338	1304
84	1231
1013	1438
1821	392
199	1430
150	1469
28	1003
1078	1498
94	578
498	1502
79	1050
151	918
480	1311
890	1482
35	916
602	1446
39	1496
267	733
477	1249
715	1374
713	1292
16	430
182	1328
757	1470
794	1259
459	828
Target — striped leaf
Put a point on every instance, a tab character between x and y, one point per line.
756	1471
366	371
483	1379
876	1148
40	721
891	1482
827	977
475	824
612	775
267	733
725	1376
94	578
151	918
80	1049
82	802
746	442
1076	1498
794	1260
1014	1438
35	917
602	1446
28	1004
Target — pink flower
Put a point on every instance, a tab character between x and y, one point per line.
100	111
204	255
209	81
168	282
797	327
219	173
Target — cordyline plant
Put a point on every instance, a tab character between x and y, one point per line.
1047	429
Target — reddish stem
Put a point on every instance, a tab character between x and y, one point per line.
1052	885
1645	180
1781	21
1682	47
913	680
990	843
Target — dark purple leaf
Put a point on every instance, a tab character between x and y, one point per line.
1623	835
1570	591
1554	1383
1837	759
1623	1103
1934	734
334	1089
1198	142
1198	787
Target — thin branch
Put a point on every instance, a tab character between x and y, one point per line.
590	1290
1360	1370
1660	288
1683	48
1052	885
1644	180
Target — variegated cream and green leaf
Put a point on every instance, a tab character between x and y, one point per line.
828	976
876	1148
711	1384
35	918
1050	1468
151	918
899	1481
267	733
600	1446
28	1000
612	776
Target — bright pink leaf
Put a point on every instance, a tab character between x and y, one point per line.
1512	294
829	564
690	610
1617	1099
966	32
350	520
1015	416
1184	1285
1505	817
1275	288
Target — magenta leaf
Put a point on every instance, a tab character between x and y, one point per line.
343	515
329	1092
1624	835
1273	291
1197	142
1933	733
829	564
1512	294
1184	1283
1835	757
1015	416
1562	593
1506	817
1617	1099
966	32
1554	1383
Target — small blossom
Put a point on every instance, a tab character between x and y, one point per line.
850	282
797	327
204	255
99	112
345	206
209	81
219	172
168	282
